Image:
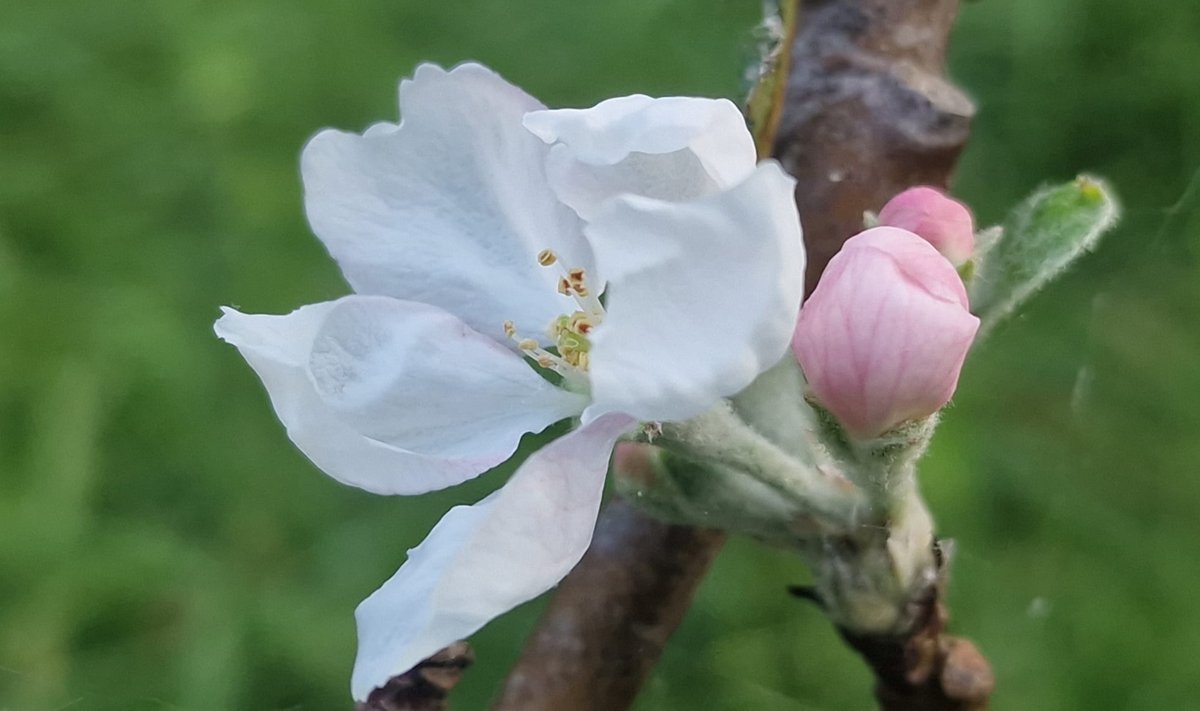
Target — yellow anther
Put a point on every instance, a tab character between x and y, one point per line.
546	257
545	361
577	275
580	289
581	323
528	344
564	287
510	329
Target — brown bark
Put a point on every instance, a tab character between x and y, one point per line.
868	112
926	669
610	619
426	686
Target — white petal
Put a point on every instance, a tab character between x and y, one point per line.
450	207
393	396
481	561
675	148
702	297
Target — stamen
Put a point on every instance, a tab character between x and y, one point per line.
569	333
577	278
541	356
573	283
581	323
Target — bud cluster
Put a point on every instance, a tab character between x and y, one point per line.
883	337
878	349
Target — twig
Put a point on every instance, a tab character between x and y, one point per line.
868	112
426	686
927	669
612	616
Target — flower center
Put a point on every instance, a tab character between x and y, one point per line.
569	355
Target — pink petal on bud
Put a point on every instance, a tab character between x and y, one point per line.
942	221
883	337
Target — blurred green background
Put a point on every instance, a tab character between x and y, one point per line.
162	545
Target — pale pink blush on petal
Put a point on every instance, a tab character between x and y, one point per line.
481	561
930	214
883	337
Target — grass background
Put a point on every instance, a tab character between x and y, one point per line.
162	545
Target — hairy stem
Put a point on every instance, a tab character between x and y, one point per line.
720	437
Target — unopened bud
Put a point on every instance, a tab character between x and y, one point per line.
942	221
883	337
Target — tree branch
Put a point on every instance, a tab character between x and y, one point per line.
926	669
425	686
611	617
868	112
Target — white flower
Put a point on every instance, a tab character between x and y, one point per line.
479	235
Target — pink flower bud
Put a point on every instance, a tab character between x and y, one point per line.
942	221
883	337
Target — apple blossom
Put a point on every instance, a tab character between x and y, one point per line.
513	267
883	337
942	221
